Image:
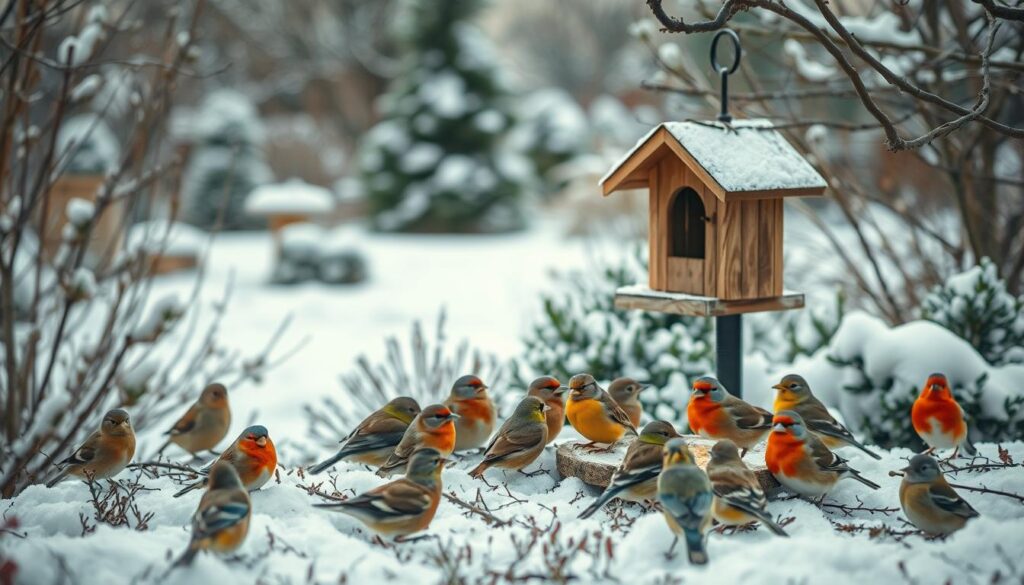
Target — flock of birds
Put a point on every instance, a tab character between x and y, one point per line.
658	466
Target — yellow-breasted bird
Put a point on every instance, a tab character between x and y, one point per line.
713	413
552	392
252	455
204	424
801	461
739	498
105	453
686	497
433	427
929	502
626	393
375	439
938	418
401	507
594	414
636	478
221	521
794	394
519	441
477	413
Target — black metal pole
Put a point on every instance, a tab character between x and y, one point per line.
729	352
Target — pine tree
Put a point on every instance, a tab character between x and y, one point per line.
438	161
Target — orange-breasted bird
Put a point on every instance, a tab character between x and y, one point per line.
713	413
433	427
739	498
939	419
252	455
801	461
686	498
626	393
795	394
204	424
221	521
551	391
594	414
375	439
477	413
105	453
401	507
929	502
520	440
636	479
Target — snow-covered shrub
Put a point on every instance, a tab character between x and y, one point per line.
88	145
552	130
341	261
784	336
976	306
299	254
438	160
580	330
227	161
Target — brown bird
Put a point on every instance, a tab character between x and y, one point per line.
552	392
929	501
794	394
713	413
739	498
626	393
594	414
375	439
204	424
105	453
477	413
434	427
519	441
221	521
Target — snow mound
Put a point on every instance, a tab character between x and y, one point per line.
291	196
165	237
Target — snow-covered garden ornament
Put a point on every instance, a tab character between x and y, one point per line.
715	225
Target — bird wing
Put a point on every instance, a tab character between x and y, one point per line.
688	499
219	511
399	498
186	423
748	416
825	458
85	453
615	411
818	419
370	442
738	488
944	497
511	441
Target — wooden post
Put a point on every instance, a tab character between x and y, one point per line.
729	352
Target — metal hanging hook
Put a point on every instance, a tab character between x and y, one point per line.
725	72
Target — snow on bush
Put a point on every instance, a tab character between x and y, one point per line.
87	145
976	306
552	130
165	238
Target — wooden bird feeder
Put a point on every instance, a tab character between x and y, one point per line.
716	192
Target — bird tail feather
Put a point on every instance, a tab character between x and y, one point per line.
696	550
320	467
865	481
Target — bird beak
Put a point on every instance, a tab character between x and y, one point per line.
453	416
779	387
262	441
779	428
482	388
905	469
699	392
642	387
560	390
545	408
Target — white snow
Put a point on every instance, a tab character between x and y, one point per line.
292	196
445	93
421	157
160	236
80	211
808	68
671	55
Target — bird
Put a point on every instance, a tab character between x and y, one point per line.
739	498
433	427
636	478
221	521
552	392
104	453
252	455
375	439
626	393
401	507
594	414
939	419
713	413
794	394
801	462
520	440
929	502
686	497
477	413
204	424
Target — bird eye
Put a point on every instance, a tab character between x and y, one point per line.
792	386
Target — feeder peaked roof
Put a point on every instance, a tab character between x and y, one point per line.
747	159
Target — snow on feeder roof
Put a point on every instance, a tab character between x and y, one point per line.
292	197
746	159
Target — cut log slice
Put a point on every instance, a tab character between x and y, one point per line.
596	469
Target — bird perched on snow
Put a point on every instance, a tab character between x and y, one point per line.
636	478
929	502
476	410
404	506
204	424
520	440
221	521
551	391
939	419
375	439
801	461
794	394
686	497
594	414
626	393
434	427
252	455
713	413
105	453
739	498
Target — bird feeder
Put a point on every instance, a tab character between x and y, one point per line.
293	201
716	192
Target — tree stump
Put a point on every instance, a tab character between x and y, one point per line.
596	469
